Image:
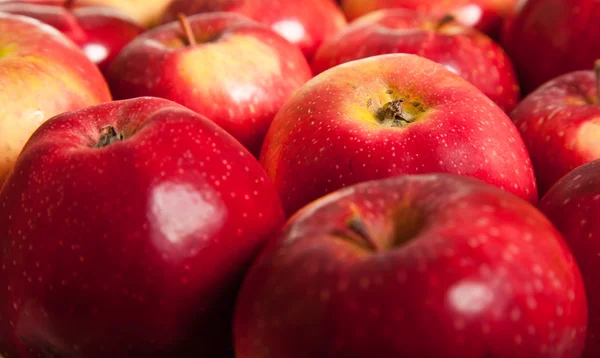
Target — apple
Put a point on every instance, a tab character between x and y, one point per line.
42	74
225	66
573	205
564	33
560	123
306	23
101	32
126	229
429	265
461	49
487	15
385	116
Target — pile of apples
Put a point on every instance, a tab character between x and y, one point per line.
299	178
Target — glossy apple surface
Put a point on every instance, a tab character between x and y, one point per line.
461	49
487	15
238	73
564	33
414	266
306	23
560	124
42	74
126	229
573	205
101	32
385	116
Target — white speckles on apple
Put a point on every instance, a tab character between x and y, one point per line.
470	297
515	314
531	303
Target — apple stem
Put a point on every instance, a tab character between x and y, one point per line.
108	135
597	71
69	4
187	29
357	226
446	19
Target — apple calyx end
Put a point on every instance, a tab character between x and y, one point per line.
187	29
394	114
108	136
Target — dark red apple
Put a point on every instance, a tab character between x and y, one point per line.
461	49
225	66
560	124
548	38
414	266
573	205
125	231
306	23
385	116
100	31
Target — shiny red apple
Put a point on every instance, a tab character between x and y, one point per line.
306	23
125	231
229	68
100	31
385	116
461	49
414	266
573	205
548	38
487	15
560	124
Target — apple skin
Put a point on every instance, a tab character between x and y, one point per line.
150	236
486	15
238	74
565	33
460	48
430	265
306	23
559	123
573	205
42	74
329	134
101	32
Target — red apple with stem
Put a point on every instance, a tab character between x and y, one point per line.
560	124
486	15
42	74
227	67
306	23
462	49
573	205
100	31
125	231
414	266
565	33
385	116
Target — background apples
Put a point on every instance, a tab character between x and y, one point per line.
305	23
134	222
486	15
564	33
560	123
573	205
460	48
101	32
415	266
42	74
237	72
389	115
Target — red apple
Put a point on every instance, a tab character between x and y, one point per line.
306	23
564	33
414	266
461	49
42	74
486	15
101	32
573	205
560	124
389	115
231	69
125	231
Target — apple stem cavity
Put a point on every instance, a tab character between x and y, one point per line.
445	20
187	29
597	72
393	114
108	136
